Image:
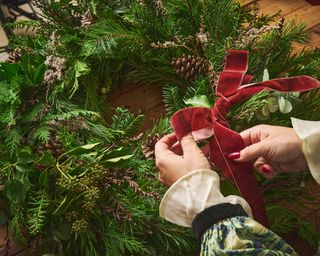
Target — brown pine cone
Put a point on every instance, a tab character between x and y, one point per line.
149	144
190	67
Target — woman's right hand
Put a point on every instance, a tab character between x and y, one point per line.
273	149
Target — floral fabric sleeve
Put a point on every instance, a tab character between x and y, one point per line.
242	235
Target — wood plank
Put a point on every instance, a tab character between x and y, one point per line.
245	2
285	6
310	15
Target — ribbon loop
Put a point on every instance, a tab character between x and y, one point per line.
233	88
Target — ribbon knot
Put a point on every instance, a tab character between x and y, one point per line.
233	87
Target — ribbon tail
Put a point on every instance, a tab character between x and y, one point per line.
240	173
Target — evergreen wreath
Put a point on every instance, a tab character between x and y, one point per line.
72	183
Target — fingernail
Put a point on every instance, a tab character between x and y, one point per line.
234	155
266	170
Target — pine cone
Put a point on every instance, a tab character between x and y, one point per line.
149	144
15	56
54	146
87	19
190	67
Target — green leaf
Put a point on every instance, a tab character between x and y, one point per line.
82	149
25	61
39	74
24	168
46	159
198	101
80	69
63	231
67	200
16	191
266	76
116	153
115	162
44	179
24	157
10	70
117	159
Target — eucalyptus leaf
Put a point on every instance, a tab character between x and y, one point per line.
285	106
198	101
261	116
265	110
273	104
266	76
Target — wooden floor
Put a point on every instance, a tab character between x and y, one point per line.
299	10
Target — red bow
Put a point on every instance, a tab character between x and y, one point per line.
233	87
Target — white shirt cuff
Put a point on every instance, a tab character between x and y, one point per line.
309	133
192	194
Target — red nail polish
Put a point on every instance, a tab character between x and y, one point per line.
266	170
234	155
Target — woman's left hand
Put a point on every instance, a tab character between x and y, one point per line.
173	166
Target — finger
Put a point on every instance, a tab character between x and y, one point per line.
254	151
177	149
268	171
160	179
254	134
189	146
163	145
264	168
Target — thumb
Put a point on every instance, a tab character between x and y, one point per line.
189	145
254	151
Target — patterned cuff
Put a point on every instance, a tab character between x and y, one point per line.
214	214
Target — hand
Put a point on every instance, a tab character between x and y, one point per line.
273	149
173	166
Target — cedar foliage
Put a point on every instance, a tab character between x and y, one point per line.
100	196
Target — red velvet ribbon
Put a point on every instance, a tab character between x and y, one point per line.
233	87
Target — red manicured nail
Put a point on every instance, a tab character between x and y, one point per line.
266	170
234	155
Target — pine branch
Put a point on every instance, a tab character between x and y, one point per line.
42	134
125	123
12	141
37	211
172	99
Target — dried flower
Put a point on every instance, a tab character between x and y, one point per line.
250	35
87	19
74	3
55	72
